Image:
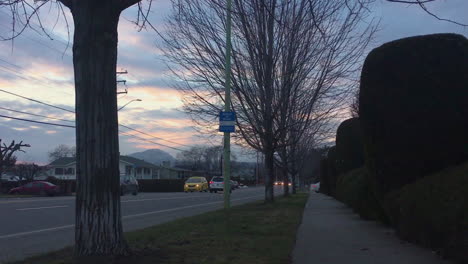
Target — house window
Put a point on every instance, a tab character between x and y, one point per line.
58	171
138	170
69	171
146	171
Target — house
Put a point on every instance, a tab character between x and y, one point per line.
65	168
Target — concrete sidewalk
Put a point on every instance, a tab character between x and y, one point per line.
331	233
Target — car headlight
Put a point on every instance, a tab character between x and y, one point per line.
197	185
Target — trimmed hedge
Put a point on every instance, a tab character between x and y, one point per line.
413	108
66	186
433	212
6	186
162	185
349	146
353	189
332	172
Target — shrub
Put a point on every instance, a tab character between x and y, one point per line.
66	186
413	108
332	173
433	211
162	185
353	189
349	146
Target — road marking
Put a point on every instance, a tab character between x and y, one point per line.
156	199
38	208
36	231
124	217
184	207
27	200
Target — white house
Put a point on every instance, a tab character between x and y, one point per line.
65	168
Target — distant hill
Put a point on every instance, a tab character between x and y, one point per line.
155	156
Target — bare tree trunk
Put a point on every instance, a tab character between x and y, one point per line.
98	228
284	169
293	177
269	175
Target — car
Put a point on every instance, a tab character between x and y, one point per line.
36	187
128	184
278	183
315	187
196	184
217	184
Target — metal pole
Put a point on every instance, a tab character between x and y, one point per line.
227	108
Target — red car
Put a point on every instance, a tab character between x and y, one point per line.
37	187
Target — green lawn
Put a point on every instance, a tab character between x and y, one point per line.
254	233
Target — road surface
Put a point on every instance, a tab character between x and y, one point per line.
30	226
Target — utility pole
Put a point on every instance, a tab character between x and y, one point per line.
122	81
227	108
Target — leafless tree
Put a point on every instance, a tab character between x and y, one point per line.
61	151
7	158
98	215
422	4
281	49
26	170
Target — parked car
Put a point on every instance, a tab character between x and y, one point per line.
128	184
315	187
37	187
197	184
217	184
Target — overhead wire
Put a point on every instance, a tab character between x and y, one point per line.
63	109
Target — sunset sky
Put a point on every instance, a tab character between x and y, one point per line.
40	68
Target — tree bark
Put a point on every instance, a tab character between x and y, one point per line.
269	175
98	228
284	169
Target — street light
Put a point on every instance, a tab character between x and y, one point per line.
138	100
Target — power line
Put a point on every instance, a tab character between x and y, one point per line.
69	126
48	117
37	101
141	132
37	122
152	135
150	141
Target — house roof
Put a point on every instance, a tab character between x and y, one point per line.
127	159
63	161
137	162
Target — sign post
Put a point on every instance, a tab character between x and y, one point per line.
228	115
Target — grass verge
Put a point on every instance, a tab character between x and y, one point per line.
252	233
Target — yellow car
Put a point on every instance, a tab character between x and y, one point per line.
196	184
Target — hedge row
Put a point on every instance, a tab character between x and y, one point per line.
434	212
162	185
353	189
413	108
413	113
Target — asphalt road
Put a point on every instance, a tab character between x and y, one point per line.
30	226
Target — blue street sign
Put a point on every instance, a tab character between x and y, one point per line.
227	122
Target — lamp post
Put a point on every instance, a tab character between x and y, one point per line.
137	100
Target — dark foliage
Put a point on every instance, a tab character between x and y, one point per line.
349	146
413	108
353	189
433	212
163	185
324	181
